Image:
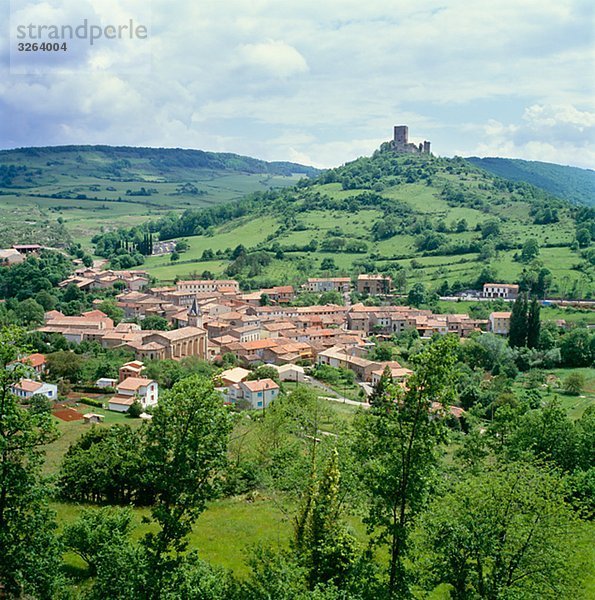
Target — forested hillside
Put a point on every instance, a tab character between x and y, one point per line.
572	184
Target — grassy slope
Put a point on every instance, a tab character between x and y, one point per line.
575	406
28	213
228	530
223	535
514	214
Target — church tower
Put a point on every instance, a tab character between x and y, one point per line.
194	315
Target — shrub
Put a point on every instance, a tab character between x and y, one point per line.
574	383
91	402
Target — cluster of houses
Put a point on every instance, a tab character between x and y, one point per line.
210	318
132	387
93	278
129	388
33	385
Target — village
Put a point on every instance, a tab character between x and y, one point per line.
209	319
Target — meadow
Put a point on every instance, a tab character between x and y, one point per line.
95	190
72	195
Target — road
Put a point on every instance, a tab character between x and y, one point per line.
343	400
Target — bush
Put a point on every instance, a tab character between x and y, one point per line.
574	384
91	402
135	410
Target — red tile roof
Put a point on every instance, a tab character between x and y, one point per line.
260	385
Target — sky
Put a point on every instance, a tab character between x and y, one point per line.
319	82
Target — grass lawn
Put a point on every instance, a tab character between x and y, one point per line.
575	405
70	431
223	534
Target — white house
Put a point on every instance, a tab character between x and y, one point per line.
104	382
145	391
259	394
233	376
290	372
500	290
26	388
399	374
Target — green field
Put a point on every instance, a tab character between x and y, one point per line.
93	183
575	406
514	214
223	535
99	189
70	431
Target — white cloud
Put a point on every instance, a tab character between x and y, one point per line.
551	133
275	57
327	80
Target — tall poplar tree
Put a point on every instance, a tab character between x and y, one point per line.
325	547
533	323
517	335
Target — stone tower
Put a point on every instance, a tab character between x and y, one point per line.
401	135
401	143
194	315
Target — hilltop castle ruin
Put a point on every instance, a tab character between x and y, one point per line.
401	142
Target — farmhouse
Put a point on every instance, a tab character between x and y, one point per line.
500	322
26	388
145	391
374	285
500	290
398	373
328	284
10	256
36	361
258	393
208	285
233	376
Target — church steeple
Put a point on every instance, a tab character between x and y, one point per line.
194	315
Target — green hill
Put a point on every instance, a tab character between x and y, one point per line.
569	183
55	194
442	222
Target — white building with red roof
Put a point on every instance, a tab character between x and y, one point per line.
259	394
26	388
134	389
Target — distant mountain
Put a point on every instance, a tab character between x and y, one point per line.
570	183
55	194
128	162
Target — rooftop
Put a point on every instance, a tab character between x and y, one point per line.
134	383
260	385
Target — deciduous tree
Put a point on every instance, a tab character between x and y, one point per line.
397	444
503	533
186	446
29	550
